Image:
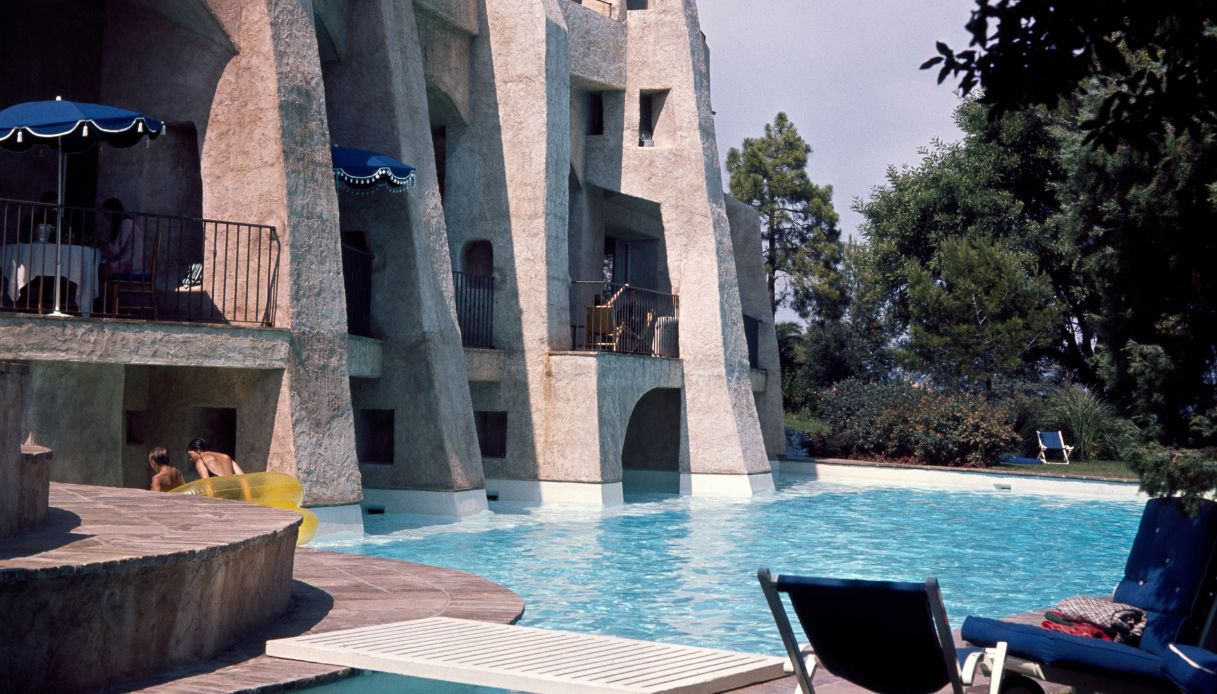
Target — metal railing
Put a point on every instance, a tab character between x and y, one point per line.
101	262
357	279
474	295
619	318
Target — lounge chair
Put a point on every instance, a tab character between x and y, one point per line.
883	635
1193	670
1170	574
1052	445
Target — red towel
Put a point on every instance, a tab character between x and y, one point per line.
1086	630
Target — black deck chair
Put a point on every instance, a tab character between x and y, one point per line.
886	636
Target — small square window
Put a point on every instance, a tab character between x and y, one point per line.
492	433
374	436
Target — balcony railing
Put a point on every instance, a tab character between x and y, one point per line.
98	262
620	318
474	296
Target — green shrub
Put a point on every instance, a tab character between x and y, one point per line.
901	422
1190	474
1089	423
959	430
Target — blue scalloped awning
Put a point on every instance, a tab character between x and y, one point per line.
361	169
72	126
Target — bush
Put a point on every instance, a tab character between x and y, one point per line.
1089	423
900	421
1190	474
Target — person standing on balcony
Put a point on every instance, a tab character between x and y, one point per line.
165	477
209	463
124	251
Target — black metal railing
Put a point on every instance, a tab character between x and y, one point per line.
474	296
104	262
752	335
357	279
620	318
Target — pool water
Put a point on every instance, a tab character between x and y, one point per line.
683	569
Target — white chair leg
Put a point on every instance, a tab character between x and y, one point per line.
996	659
967	673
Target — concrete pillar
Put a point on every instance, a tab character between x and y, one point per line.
374	99
266	159
667	54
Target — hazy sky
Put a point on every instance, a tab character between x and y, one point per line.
845	71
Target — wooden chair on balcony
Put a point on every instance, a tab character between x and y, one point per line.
603	331
136	293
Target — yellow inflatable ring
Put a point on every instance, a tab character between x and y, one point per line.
271	489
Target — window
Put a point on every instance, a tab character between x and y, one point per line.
374	436
650	111
439	142
478	258
752	333
492	433
637	4
595	113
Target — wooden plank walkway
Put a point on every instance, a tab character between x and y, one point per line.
529	659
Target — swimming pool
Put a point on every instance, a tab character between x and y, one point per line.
683	569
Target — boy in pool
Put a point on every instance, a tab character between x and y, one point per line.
209	463
164	476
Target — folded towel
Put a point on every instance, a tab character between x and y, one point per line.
1124	622
1089	631
1054	616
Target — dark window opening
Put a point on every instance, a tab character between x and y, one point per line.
218	425
439	141
595	113
374	436
136	427
650	107
637	4
479	258
492	433
357	281
752	332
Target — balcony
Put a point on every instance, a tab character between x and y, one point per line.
623	319
474	295
105	263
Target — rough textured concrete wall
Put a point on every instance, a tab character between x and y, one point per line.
12	394
75	409
461	14
423	366
597	47
271	93
507	177
445	52
754	299
682	173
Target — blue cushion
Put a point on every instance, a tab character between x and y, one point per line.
1166	571
1057	649
1192	669
1052	440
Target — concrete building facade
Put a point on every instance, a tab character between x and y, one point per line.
565	304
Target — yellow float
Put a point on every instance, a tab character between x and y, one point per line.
271	489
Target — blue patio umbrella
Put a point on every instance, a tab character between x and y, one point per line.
362	170
71	127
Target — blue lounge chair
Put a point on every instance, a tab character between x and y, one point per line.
1052	445
1193	670
1171	573
846	621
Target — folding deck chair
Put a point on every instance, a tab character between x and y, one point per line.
1052	445
1171	574
883	635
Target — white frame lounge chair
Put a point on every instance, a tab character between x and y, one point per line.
1046	447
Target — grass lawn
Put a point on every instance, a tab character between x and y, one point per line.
1083	468
809	425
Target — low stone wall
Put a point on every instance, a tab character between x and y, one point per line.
118	584
24	470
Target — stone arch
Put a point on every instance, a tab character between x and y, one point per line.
650	452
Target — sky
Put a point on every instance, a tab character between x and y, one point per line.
845	72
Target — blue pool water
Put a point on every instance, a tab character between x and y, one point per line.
683	569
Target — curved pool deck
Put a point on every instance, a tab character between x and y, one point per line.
119	584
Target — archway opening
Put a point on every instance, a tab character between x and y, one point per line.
650	455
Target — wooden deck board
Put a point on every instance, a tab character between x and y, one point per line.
530	659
